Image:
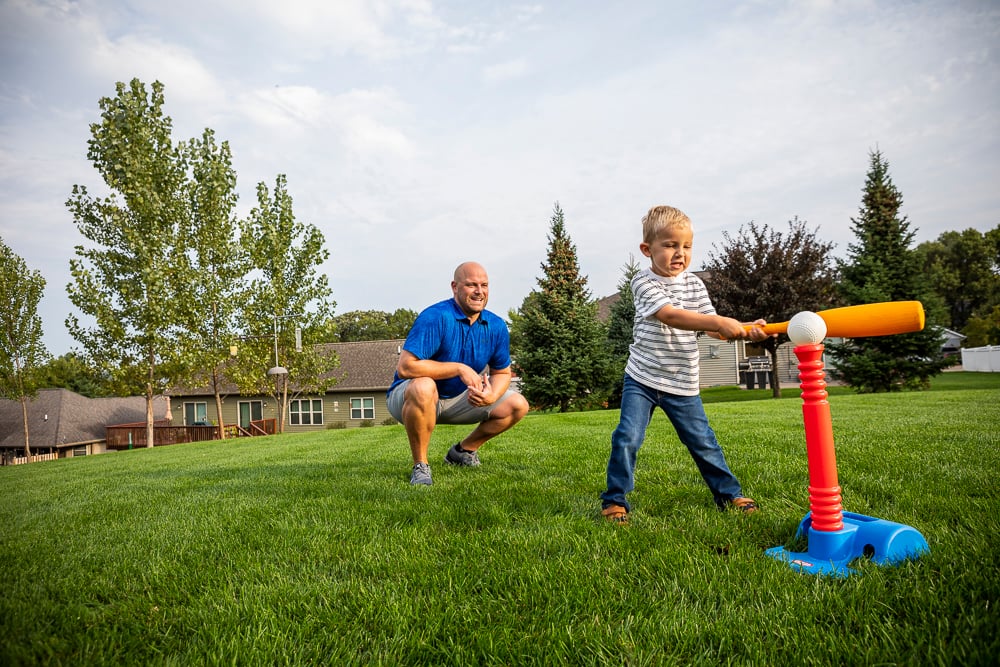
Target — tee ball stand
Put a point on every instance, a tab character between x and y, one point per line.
836	537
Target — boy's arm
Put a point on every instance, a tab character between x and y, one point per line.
725	328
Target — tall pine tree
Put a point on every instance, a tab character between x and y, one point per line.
881	266
621	323
557	342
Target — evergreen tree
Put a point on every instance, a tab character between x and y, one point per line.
621	322
22	352
557	342
881	266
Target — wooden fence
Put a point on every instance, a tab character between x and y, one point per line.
129	436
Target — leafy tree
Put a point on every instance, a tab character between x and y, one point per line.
72	371
881	266
963	270
983	330
287	294
358	325
762	273
621	322
215	263
21	349
993	238
558	344
128	278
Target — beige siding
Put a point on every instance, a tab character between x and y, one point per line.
336	408
722	368
718	362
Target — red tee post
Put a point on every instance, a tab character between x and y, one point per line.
824	489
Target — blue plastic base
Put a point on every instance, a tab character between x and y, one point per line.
883	542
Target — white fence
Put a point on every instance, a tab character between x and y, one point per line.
20	460
981	359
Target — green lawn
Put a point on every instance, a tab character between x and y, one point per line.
313	549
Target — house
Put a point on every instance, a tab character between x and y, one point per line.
357	399
952	343
63	423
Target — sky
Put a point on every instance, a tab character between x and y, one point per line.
417	134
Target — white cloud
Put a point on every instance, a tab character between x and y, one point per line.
511	69
419	134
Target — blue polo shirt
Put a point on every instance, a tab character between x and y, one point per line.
442	332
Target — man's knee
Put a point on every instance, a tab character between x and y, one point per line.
422	391
514	407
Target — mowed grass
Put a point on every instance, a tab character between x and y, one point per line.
313	549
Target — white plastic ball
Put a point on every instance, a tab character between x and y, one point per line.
806	328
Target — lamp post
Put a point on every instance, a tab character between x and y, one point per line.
278	372
278	369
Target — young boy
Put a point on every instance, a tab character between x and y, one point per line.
671	306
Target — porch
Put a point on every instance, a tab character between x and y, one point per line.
129	436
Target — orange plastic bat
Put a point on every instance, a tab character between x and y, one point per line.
870	319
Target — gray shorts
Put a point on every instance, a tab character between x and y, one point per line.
456	410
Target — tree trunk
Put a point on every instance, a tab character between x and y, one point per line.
24	414
775	376
149	415
218	402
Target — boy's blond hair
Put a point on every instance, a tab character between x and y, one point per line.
662	217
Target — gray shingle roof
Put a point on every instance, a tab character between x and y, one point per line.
59	417
367	365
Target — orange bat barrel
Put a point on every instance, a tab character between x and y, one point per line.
871	319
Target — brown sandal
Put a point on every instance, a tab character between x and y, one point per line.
615	514
745	505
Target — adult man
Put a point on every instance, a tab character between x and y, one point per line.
454	368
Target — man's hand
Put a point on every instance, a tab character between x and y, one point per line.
470	377
481	393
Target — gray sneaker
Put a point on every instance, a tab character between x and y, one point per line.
457	457
421	474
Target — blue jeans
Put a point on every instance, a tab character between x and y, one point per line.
687	414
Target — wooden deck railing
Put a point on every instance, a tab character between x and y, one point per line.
128	436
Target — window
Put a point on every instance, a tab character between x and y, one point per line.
305	411
195	413
362	408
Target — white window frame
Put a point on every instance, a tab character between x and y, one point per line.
315	415
364	403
